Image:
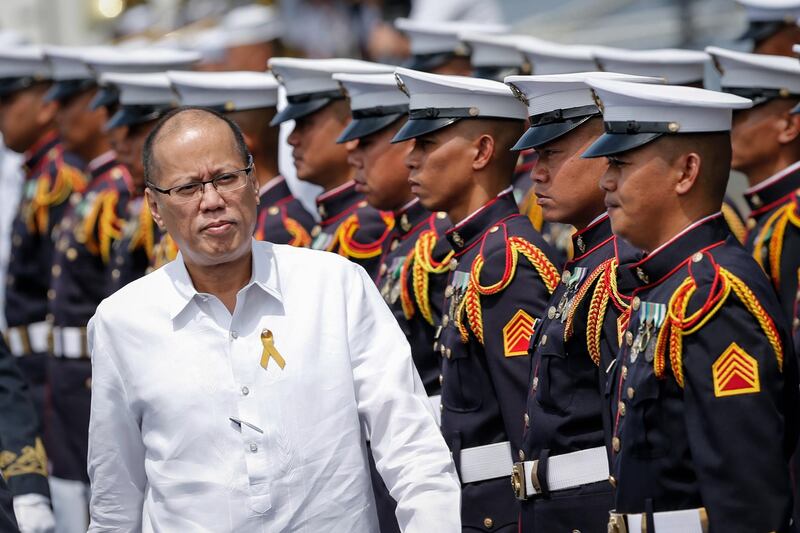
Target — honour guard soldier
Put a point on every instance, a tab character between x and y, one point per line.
413	272
51	175
578	337
316	102
436	48
703	393
250	100
676	67
772	25
143	99
766	148
409	281
501	278
23	462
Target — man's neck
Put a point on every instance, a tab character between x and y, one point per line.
338	179
762	172
266	168
94	150
473	199
224	280
587	217
666	230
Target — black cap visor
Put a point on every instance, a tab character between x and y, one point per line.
299	110
428	62
107	96
759	31
361	127
66	89
616	143
9	86
421	126
537	136
133	115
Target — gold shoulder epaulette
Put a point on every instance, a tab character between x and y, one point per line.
144	235
52	191
768	245
735	223
349	247
102	226
514	247
679	324
422	264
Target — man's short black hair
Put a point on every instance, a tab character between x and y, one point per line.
148	159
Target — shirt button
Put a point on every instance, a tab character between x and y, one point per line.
488	523
234	334
615	444
253	447
245	391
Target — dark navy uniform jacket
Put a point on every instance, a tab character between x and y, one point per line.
7	520
774	235
502	277
23	462
134	252
704	389
282	219
84	242
412	277
52	177
573	344
351	228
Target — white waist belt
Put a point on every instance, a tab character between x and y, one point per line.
436	405
70	343
564	471
687	521
486	462
28	339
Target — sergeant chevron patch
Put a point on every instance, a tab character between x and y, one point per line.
517	334
735	372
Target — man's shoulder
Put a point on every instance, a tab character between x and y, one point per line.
306	262
143	295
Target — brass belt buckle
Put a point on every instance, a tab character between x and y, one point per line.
535	477
616	523
518	481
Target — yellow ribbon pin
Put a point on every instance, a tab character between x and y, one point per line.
270	351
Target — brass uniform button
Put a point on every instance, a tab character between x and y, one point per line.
115	274
453	263
544	340
394	245
636	303
527	420
751	223
565	277
448	291
624	372
631	392
56	271
521	455
449	353
696	258
88	383
51	294
441	379
441	215
274	210
551	313
535	383
316	230
488	523
621	408
613	481
494	229
72	254
445	320
628	338
616	444
383	269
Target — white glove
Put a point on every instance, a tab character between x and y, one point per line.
34	514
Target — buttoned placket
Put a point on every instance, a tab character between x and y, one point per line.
243	355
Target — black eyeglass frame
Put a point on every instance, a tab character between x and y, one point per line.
213	181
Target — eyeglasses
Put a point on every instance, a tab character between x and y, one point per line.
224	183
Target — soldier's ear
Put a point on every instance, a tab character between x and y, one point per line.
485	147
150	196
790	130
688	170
47	112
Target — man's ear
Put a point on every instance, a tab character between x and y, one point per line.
484	151
687	168
150	196
249	141
47	112
790	130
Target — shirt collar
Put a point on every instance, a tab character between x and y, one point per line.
410	216
265	276
466	232
274	191
696	237
339	201
587	240
36	154
775	189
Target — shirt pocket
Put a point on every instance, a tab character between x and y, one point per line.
646	429
555	390
462	387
